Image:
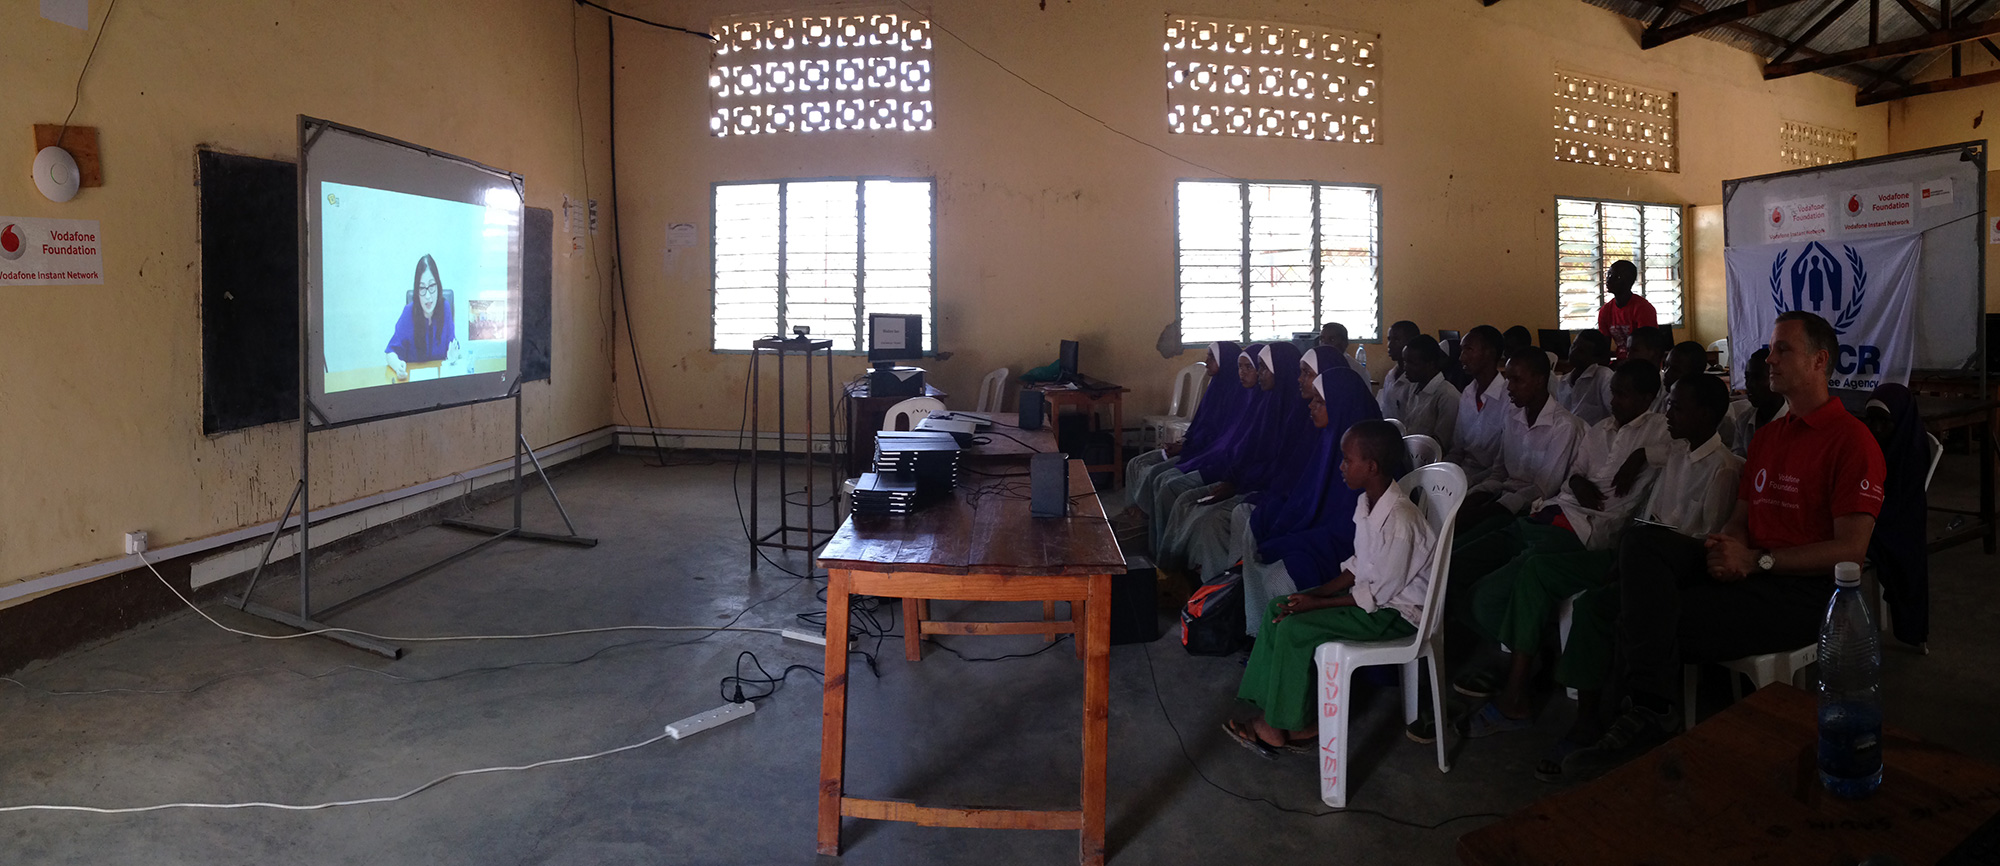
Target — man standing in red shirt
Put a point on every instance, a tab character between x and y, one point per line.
1625	312
1808	498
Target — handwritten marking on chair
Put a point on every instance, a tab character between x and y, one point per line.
1329	746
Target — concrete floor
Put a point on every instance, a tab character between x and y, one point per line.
214	717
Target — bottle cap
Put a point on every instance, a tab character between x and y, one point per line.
1847	574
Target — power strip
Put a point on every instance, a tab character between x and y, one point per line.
699	722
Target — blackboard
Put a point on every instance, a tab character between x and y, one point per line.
249	211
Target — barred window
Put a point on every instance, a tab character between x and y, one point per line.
1602	122
1261	260
1280	80
1806	145
821	253
1591	234
818	73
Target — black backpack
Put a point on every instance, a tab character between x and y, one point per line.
1212	620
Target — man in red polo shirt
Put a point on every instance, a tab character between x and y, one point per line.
1808	498
1625	312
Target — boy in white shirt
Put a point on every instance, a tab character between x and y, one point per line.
1536	450
1565	547
1379	595
1586	389
1394	386
1482	405
1695	495
1430	403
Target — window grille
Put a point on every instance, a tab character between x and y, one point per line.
1261	260
824	254
819	73
1805	145
1601	122
1280	80
1591	234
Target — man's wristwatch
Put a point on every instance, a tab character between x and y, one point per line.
1766	562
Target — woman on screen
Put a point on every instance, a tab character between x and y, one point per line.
424	332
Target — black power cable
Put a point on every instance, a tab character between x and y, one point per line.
77	97
629	17
618	230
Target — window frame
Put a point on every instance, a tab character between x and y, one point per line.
1555	246
860	258
1318	296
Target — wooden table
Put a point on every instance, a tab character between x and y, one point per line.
1089	400
1944	414
864	419
992	552
1743	787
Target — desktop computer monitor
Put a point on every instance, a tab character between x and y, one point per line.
894	337
1068	360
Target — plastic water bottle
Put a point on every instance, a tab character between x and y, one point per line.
1850	690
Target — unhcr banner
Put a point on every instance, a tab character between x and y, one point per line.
1866	288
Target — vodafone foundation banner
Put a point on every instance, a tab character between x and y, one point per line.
42	252
1864	287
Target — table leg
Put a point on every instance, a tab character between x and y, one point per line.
1986	449
1049	615
1079	618
1096	643
1118	439
833	714
914	615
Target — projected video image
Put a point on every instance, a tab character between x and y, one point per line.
414	288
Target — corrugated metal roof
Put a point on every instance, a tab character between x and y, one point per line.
1767	34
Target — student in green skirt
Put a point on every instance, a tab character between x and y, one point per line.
1379	595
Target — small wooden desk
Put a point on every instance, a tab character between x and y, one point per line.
1743	787
1088	400
992	552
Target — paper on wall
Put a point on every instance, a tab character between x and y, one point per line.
1935	193
1797	219
45	252
1877	209
75	13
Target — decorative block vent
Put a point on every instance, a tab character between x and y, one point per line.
1277	80
1602	122
1805	145
821	73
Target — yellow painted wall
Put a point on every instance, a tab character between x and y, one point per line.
1053	226
100	386
1949	118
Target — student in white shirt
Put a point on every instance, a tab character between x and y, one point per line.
1566	546
1482	405
1379	595
1586	389
1695	495
1333	335
1394	387
1537	447
1762	407
1686	358
1430	406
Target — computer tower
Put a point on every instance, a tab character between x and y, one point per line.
1135	604
1031	406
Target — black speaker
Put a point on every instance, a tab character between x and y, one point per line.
1048	483
1031	409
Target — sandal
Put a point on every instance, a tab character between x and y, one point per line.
1550	768
1489	721
1248	739
1476	684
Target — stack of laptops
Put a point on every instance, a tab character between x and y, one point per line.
926	458
877	493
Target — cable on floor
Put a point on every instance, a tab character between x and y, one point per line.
1192	764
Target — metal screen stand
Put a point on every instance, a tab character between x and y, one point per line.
813	534
301	497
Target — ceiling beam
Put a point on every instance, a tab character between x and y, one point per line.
1817	27
1898	48
1888	73
1707	19
1939	86
1918	14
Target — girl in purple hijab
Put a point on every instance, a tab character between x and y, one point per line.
1267	453
1221	406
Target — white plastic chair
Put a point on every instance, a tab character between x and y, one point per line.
1423	450
1721	350
1442	488
911	411
1361	360
993	391
1180	409
1399	425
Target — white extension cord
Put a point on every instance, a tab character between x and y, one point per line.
291	807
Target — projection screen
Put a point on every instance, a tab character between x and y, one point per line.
411	278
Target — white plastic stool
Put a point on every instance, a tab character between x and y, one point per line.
1762	670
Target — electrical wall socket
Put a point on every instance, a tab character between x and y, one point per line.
135	542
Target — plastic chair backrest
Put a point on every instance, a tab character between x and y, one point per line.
1398	422
1423	450
992	391
1187	381
1361	358
1937	453
910	412
1437	489
1721	350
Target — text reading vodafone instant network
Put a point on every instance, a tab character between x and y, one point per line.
50	252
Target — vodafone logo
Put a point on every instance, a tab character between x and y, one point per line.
1854	204
12	244
1864	484
1777	216
1763	475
